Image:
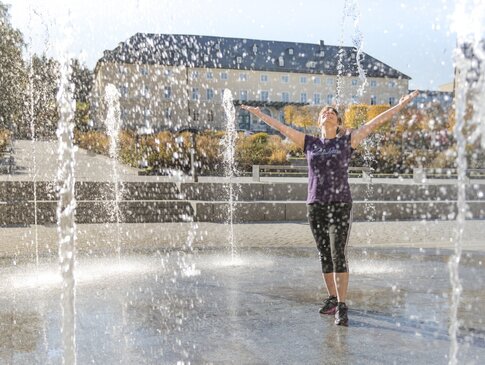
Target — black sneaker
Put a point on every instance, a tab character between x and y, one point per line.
329	305
341	318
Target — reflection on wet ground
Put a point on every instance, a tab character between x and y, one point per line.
169	307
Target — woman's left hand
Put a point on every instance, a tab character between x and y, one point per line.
406	99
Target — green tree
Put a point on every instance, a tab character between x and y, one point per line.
83	81
43	84
13	75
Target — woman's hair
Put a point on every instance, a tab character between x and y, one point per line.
341	130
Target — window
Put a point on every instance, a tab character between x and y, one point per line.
354	82
195	115
373	83
167	92
330	82
329	98
210	116
373	100
223	75
285	97
264	78
281	116
316	98
391	84
195	75
303	98
243	77
145	91
281	61
264	96
124	91
195	93
210	94
355	99
146	114
167	113
303	80
392	100
209	75
238	59
243	95
285	79
144	71
290	51
167	73
316	80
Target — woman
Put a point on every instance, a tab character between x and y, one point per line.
329	200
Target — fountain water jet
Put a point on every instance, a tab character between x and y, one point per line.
66	210
113	125
469	22
230	171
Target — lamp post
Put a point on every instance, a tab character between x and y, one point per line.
193	142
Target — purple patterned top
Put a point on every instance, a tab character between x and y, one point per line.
328	162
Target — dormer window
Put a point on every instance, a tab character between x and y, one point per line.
239	59
281	61
321	53
255	49
290	51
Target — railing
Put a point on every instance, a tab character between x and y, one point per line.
421	174
298	171
7	161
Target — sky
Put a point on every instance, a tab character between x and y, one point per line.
412	36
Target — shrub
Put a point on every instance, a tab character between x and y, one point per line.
5	139
94	141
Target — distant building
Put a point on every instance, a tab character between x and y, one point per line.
448	87
175	81
430	98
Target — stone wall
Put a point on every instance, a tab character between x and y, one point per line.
150	202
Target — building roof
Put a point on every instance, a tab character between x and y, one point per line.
244	54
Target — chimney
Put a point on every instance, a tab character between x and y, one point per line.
322	43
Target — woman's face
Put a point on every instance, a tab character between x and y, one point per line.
327	116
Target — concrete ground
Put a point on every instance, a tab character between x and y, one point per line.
260	307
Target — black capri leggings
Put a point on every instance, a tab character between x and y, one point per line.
327	220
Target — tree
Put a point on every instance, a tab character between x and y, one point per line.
83	81
302	117
12	73
43	84
355	116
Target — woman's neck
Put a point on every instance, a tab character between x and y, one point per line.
329	132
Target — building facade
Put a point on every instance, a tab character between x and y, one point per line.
177	81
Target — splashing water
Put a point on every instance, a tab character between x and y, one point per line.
351	9
66	208
113	125
469	24
34	153
229	143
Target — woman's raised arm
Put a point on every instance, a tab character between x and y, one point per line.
360	134
295	136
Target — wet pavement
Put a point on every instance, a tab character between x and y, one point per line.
261	307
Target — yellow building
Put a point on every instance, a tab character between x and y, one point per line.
177	81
